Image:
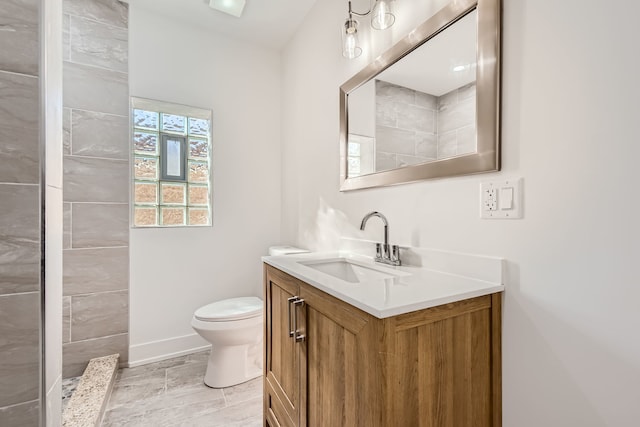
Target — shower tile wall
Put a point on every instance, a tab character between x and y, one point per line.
414	127
456	121
96	182
19	213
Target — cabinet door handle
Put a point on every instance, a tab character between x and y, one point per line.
290	301
297	303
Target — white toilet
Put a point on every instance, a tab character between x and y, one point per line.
234	327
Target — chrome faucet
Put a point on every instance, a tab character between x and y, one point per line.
384	253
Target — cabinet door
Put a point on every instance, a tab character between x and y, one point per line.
282	354
342	379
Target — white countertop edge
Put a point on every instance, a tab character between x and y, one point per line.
489	288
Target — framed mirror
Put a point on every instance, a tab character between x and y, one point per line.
429	107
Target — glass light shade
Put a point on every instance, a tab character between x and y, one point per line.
350	44
382	16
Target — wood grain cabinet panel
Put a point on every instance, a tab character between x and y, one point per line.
438	367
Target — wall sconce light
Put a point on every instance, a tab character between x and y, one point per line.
382	17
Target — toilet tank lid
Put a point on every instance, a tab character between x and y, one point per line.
230	309
285	250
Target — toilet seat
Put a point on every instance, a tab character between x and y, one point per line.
230	309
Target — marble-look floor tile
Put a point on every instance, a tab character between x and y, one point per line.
150	369
185	401
137	389
244	392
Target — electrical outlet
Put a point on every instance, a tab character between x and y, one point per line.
490	199
501	199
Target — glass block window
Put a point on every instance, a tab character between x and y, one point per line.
171	166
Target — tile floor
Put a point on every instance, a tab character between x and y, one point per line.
171	393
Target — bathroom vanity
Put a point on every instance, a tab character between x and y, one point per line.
352	343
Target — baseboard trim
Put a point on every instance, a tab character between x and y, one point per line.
155	351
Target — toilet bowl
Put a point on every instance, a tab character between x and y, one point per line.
234	327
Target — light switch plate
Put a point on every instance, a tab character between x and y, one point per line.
501	199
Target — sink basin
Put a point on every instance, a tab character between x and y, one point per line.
350	270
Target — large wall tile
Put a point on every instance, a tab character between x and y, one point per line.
20	242
66	229
89	179
393	140
395	93
99	225
95	270
66	319
100	135
22	415
385	161
99	315
403	160
66	48
412	117
76	355
95	89
458	115
93	43
467	140
19	111
66	131
112	12
447	145
426	100
19	44
426	145
19	348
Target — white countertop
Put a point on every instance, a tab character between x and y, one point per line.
416	288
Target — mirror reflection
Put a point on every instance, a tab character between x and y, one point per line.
419	110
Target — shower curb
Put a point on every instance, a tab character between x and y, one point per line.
88	402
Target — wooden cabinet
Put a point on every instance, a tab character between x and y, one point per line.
438	367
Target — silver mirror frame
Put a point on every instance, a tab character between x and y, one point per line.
487	156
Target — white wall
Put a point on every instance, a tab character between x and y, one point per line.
570	111
175	271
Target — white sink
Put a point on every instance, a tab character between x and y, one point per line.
350	270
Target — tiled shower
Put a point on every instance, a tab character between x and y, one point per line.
414	127
96	182
95	176
20	222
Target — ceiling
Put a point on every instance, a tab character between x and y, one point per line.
430	68
269	23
